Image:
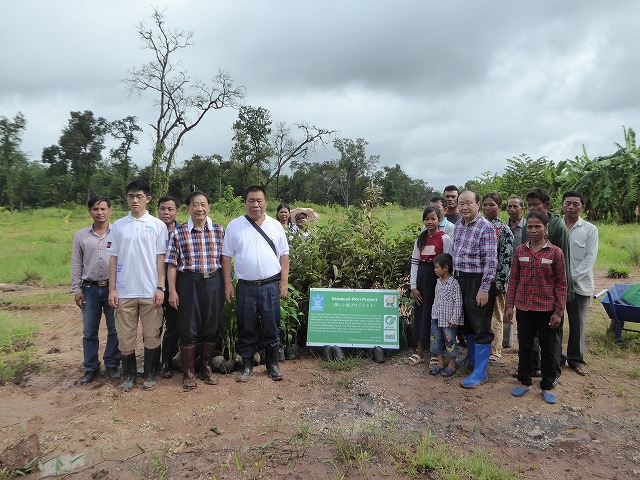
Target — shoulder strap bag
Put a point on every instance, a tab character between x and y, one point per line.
264	235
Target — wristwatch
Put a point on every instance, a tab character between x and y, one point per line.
162	289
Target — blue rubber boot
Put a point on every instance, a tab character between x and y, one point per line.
479	375
469	361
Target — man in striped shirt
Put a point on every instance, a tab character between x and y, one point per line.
474	261
196	286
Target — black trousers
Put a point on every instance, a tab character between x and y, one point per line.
171	332
477	320
200	308
532	324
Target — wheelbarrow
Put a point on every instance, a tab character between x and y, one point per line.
618	310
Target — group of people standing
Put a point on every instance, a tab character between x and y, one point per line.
485	274
472	277
143	269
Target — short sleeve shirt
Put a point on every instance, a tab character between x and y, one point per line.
137	242
253	257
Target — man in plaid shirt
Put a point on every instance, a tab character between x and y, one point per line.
196	286
475	261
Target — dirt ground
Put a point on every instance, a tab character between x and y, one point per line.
257	430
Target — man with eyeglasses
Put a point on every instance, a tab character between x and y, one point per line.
475	260
137	274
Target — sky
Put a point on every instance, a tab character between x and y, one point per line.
447	90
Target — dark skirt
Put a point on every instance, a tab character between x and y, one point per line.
426	285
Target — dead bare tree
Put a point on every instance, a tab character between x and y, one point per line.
287	148
181	103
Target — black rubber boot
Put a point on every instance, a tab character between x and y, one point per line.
206	374
272	363
188	355
166	369
247	369
129	373
151	359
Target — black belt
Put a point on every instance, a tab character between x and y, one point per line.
459	274
259	283
200	274
98	283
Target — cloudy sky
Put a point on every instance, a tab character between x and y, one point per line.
448	90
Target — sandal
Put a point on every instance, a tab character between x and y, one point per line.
448	372
520	391
415	359
549	397
494	357
435	370
433	361
580	371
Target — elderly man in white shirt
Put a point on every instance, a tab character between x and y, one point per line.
583	240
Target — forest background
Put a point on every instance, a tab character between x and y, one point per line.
93	154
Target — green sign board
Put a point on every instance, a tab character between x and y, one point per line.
353	318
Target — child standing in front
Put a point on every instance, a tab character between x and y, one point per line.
430	243
446	316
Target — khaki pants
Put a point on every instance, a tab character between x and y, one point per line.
127	314
496	323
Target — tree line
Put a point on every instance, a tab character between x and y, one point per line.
611	183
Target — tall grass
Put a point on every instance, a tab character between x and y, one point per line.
35	245
619	246
16	344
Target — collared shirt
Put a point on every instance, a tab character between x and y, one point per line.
520	227
583	251
447	303
194	250
447	227
538	280
558	236
475	249
253	257
505	253
89	258
137	242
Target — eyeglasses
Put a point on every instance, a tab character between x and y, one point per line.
131	196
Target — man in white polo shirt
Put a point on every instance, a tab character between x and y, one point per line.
137	245
260	250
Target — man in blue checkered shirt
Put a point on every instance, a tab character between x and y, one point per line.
475	261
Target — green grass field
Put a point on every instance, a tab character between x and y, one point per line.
36	245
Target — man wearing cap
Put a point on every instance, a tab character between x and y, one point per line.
258	244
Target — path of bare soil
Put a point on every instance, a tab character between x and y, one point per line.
256	430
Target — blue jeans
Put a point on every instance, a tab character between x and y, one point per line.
97	301
258	317
443	340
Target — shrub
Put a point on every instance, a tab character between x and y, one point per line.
618	272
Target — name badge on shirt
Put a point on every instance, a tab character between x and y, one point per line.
523	259
547	261
428	250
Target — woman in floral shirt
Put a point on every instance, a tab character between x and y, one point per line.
491	206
